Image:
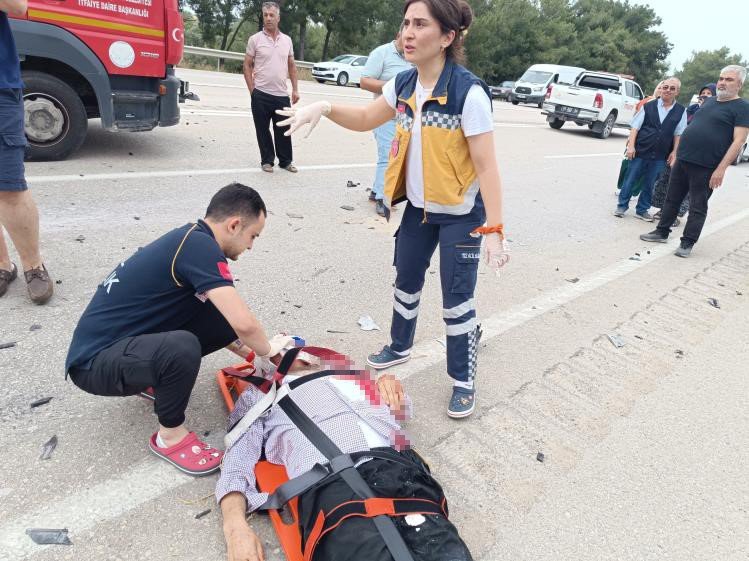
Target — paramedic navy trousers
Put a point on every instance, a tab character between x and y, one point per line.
168	362
415	242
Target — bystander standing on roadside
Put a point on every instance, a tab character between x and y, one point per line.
709	145
268	62
383	64
653	141
18	212
707	91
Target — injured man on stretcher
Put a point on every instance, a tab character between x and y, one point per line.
362	493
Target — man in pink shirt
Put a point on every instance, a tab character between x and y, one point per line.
268	62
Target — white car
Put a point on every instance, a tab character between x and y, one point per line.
343	70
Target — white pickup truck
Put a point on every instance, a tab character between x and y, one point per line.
597	99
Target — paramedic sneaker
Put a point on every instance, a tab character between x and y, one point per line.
462	403
386	358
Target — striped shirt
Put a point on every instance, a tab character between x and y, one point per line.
338	406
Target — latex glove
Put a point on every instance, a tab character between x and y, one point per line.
298	116
278	344
496	252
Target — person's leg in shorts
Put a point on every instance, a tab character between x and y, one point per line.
18	212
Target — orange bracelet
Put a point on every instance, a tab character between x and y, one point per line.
484	230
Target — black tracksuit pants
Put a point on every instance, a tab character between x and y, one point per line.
169	362
687	179
263	112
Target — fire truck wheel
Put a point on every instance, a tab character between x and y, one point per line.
54	117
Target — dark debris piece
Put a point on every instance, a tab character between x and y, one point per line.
7	345
347	207
573	280
35	327
40	402
335	331
48	448
350	183
200	515
47	536
713	302
540	457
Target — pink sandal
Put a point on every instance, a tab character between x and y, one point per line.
190	455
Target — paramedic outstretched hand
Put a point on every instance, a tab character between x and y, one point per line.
391	391
241	541
352	117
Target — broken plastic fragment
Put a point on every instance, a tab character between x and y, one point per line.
616	340
48	448
42	401
200	515
713	302
573	280
540	457
7	345
45	536
347	207
350	183
368	324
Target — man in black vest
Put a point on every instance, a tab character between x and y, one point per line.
712	142
653	141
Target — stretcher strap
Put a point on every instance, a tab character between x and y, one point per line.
319	474
392	538
368	508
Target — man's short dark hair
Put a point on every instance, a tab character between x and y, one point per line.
236	200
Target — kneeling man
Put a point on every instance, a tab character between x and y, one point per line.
162	309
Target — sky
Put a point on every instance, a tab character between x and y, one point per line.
702	26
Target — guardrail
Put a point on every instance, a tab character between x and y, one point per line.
231	55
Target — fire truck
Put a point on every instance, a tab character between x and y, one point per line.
107	59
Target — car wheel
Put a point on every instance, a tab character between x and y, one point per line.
54	117
320	80
540	104
608	126
556	123
342	79
515	102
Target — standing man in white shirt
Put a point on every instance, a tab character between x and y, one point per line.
383	64
268	62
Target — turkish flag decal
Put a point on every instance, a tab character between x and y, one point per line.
223	269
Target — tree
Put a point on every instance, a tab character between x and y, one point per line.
704	67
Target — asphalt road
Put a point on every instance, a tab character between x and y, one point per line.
640	437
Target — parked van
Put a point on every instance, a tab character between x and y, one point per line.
532	85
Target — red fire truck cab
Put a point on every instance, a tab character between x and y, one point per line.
111	59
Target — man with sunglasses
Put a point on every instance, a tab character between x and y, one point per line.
653	140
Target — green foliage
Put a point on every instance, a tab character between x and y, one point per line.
506	37
704	67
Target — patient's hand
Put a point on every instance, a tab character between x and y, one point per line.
391	391
242	543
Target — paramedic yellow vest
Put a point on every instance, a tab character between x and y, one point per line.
451	187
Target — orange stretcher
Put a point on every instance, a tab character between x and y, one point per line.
269	476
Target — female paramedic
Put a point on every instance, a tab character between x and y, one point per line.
442	163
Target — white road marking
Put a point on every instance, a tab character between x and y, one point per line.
431	352
36	179
86	508
602	154
150	479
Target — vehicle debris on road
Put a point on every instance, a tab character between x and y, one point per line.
48	536
48	447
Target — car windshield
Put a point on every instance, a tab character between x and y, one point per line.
343	58
536	77
507	84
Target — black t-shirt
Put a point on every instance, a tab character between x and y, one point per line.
159	288
708	137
